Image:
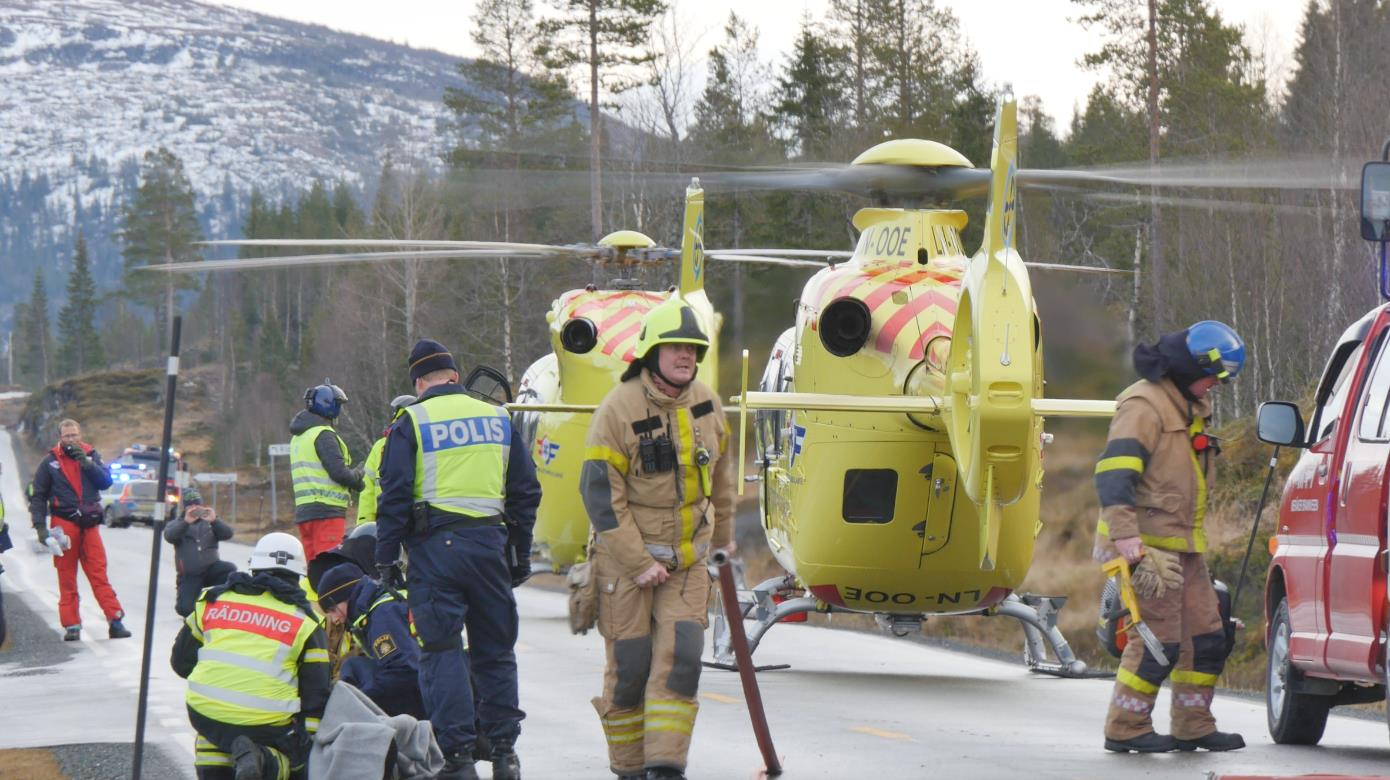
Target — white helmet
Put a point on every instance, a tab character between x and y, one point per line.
278	551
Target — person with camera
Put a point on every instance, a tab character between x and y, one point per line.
67	488
195	534
658	487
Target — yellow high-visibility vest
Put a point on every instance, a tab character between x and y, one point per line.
312	485
248	667
461	453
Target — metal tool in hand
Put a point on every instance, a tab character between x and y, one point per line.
1118	567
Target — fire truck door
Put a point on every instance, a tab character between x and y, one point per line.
1356	585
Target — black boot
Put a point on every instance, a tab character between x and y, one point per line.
1216	742
459	766
1144	743
505	763
664	773
249	758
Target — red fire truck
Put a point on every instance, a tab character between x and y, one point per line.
1325	595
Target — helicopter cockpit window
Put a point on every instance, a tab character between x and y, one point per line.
771	423
870	495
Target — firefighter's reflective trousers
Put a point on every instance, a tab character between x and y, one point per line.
654	637
1187	621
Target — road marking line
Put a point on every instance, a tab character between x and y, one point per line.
719	697
873	732
172	723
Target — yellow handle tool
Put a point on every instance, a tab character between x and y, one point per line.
1117	567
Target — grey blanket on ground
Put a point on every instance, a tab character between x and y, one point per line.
355	736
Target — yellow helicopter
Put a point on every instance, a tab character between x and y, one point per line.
899	422
592	332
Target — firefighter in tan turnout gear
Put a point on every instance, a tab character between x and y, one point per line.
1153	481
659	491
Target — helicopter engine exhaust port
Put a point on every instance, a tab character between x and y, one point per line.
579	335
844	326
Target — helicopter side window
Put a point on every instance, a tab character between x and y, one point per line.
870	495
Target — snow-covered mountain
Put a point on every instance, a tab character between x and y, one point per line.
87	86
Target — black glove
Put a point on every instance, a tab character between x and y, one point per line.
75	452
521	572
390	575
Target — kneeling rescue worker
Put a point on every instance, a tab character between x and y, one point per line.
388	671
454	472
1153	481
660	496
256	661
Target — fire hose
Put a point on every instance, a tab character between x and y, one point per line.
728	591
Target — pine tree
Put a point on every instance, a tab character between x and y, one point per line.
81	343
161	228
604	36
511	97
810	94
34	342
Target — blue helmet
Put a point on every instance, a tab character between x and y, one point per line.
1217	349
325	400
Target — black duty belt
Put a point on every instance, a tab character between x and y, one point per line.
469	522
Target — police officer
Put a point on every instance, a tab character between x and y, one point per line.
660	496
320	466
452	476
1153	481
371	467
388	671
256	661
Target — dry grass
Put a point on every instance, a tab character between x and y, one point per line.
29	764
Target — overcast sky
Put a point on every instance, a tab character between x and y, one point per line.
1030	44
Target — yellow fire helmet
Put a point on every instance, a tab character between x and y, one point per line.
673	322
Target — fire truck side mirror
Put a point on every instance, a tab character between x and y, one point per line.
1279	422
1375	201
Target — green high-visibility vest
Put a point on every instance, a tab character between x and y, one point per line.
461	453
371	483
248	667
312	485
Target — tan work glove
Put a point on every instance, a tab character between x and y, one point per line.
1158	572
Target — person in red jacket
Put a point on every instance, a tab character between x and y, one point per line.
67	487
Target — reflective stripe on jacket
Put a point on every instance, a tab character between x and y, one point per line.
247	672
312	483
677	515
461	455
1149	480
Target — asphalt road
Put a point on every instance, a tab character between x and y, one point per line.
852	705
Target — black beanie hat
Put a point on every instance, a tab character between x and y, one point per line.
335	586
1171	358
429	355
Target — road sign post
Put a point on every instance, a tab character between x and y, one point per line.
274	450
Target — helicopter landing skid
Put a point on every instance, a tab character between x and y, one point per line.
762	607
1038	616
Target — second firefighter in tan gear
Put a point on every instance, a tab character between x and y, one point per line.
659	491
1152	482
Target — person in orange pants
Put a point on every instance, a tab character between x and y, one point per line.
67	487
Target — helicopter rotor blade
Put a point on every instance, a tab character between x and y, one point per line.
781	252
1081	269
305	261
1307	173
394	243
765	260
